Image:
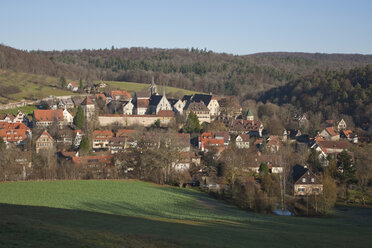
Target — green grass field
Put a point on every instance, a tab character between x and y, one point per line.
32	86
137	87
138	214
25	109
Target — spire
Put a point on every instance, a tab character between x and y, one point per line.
163	89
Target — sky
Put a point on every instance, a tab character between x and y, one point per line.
234	26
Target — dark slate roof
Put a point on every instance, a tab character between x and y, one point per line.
202	98
298	171
155	99
186	98
172	101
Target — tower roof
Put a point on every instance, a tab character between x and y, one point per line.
87	101
249	113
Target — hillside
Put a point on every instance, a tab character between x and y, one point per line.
331	93
15	86
199	70
137	214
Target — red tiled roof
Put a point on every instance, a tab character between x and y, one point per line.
331	131
13	132
47	134
120	93
73	84
48	114
87	101
98	134
102	96
142	103
124	132
165	113
103	159
245	137
334	144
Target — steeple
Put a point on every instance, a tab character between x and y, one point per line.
153	87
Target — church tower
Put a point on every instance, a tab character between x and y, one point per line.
153	87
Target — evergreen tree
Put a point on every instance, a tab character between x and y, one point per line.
192	124
79	119
84	145
62	81
314	162
2	144
81	84
345	168
264	169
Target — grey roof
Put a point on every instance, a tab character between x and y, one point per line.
202	98
155	99
197	106
298	171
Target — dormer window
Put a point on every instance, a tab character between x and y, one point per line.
312	180
304	180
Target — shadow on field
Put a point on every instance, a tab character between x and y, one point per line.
30	226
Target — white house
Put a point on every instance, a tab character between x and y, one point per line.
242	141
158	103
128	108
72	86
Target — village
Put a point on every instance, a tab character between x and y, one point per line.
98	143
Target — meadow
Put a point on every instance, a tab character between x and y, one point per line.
31	86
138	214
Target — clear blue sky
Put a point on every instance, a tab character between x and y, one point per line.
238	27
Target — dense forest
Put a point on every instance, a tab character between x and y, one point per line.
193	69
347	92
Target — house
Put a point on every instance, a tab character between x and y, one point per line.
77	101
341	125
209	140
101	139
14	133
45	142
48	103
273	143
239	126
6	118
72	86
333	148
128	108
209	101
294	134
88	108
183	162
177	105
273	162
120	95
305	182
183	141
350	136
102	97
329	133
201	111
158	103
20	117
78	137
93	161
242	141
128	135
116	144
141	106
66	103
46	117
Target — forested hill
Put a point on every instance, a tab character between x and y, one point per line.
346	92
194	69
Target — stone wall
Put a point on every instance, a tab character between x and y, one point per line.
130	120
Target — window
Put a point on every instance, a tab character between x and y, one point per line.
301	189
312	180
304	180
316	190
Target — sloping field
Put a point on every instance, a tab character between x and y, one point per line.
30	86
138	214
